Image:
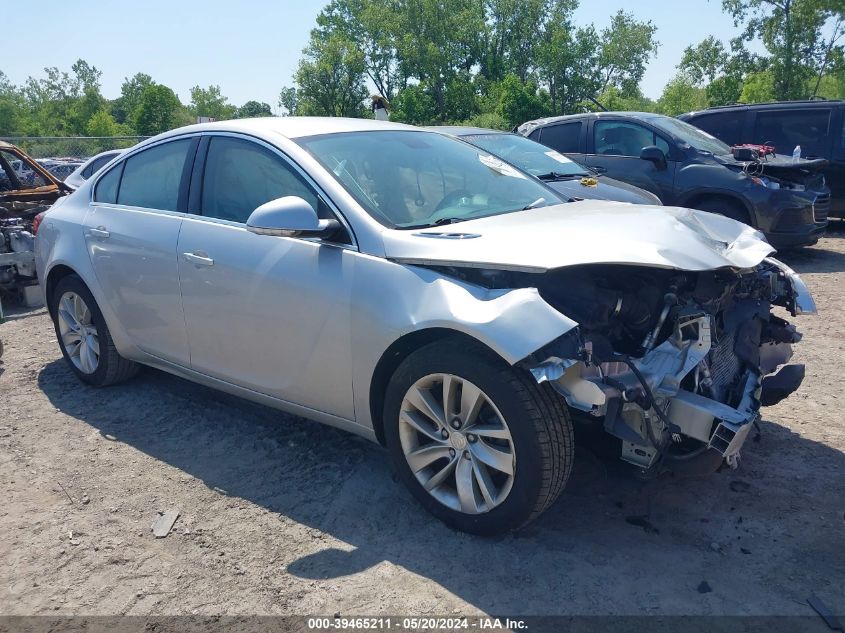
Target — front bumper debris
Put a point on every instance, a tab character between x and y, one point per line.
610	391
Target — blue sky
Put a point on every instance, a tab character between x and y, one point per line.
251	47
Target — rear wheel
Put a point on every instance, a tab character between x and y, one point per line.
480	444
84	337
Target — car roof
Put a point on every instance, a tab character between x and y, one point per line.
289	126
462	130
768	105
591	115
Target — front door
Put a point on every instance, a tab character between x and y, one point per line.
131	230
615	150
267	313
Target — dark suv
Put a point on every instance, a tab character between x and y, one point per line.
685	167
818	126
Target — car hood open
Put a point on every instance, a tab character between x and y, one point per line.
586	232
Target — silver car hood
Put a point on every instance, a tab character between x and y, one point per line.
586	232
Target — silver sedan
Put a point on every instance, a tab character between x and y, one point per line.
415	290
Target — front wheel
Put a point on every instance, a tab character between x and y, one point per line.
480	444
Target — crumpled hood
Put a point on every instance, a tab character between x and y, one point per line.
777	161
586	232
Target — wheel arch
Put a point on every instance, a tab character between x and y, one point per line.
54	276
696	198
393	356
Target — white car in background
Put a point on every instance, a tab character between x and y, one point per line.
91	167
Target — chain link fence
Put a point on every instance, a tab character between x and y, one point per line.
61	155
78	147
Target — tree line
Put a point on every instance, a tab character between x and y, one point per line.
71	104
493	63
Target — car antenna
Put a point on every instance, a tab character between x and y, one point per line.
595	101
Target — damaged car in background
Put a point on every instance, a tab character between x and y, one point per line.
26	190
415	290
785	198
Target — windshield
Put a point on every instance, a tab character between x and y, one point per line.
691	135
528	155
410	179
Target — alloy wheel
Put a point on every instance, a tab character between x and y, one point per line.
457	443
78	333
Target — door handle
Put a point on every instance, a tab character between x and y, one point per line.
199	259
100	233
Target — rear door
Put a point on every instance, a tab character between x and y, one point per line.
614	147
786	128
815	129
131	232
566	137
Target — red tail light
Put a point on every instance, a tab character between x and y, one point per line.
36	222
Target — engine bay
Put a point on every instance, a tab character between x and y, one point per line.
675	364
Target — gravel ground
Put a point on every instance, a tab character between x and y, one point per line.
283	516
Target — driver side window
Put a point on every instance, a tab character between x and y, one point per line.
241	176
621	138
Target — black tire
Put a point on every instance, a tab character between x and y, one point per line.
725	206
535	415
112	368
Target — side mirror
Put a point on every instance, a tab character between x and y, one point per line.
655	155
290	216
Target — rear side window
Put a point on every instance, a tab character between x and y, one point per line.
787	128
106	190
151	178
240	176
563	137
725	126
95	166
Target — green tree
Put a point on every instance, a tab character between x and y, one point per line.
758	87
792	32
210	102
373	26
681	95
723	90
61	103
461	100
414	105
626	47
330	78
254	109
567	60
123	108
509	36
157	111
705	61
102	124
13	114
435	50
633	100
288	100
519	102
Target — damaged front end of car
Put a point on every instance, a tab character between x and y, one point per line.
675	364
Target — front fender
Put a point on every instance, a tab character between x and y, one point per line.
391	300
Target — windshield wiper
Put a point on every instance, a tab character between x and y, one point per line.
428	225
539	202
553	175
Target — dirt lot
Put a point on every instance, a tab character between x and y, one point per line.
283	516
